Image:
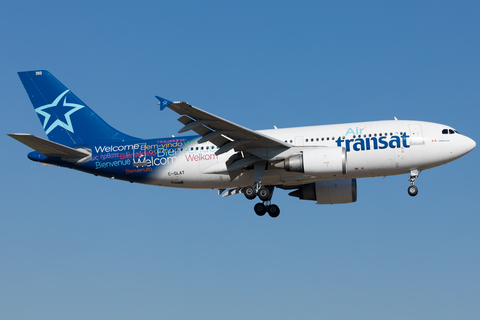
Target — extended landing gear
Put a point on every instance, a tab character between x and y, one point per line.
272	209
250	193
412	189
260	209
264	194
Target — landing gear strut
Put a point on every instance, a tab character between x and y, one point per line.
412	189
264	194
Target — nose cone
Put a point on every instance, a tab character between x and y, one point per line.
469	145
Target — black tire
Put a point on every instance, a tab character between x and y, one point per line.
273	210
412	190
260	209
250	193
264	194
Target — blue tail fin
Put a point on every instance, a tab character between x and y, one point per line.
65	118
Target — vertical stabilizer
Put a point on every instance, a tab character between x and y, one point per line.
65	118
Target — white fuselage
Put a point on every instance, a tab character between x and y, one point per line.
378	148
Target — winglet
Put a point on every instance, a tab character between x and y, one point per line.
163	102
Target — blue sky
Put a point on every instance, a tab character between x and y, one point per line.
75	246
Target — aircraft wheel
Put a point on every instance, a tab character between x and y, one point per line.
250	193
273	210
260	209
264	194
412	190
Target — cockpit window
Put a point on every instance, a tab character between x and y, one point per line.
449	131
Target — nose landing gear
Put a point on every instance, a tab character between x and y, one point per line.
412	189
264	194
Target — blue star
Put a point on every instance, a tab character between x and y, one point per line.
58	110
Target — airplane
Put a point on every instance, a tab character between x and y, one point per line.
318	163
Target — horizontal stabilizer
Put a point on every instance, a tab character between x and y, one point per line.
52	149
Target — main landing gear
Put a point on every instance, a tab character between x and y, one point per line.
264	194
412	189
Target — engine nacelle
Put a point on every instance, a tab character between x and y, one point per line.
322	161
328	192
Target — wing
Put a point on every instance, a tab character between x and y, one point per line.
224	134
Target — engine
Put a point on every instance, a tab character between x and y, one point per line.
323	162
328	192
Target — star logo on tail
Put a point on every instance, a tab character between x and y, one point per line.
58	113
